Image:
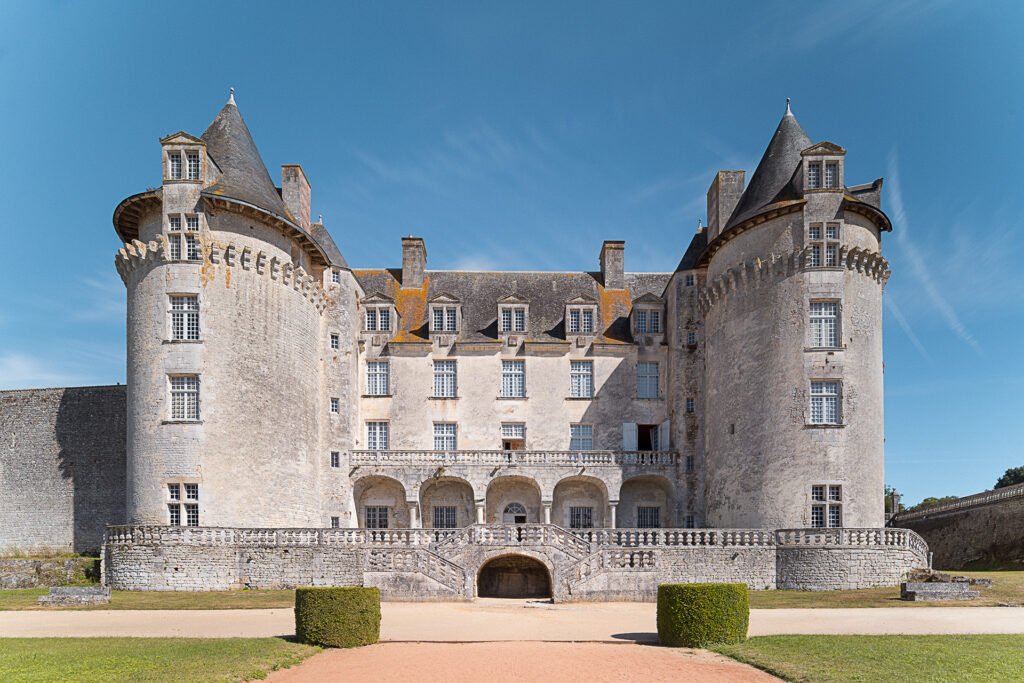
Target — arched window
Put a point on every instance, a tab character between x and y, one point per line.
515	509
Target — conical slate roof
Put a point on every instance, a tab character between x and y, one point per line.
243	174
775	179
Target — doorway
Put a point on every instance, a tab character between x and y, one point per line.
515	513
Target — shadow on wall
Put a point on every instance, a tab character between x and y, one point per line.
91	440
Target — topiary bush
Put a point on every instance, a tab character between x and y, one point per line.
337	617
699	614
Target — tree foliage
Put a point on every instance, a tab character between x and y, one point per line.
1014	475
931	500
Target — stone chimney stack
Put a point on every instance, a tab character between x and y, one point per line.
414	262
296	193
723	196
613	264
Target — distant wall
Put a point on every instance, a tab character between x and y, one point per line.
62	467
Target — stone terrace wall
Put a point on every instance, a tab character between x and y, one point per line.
62	467
819	569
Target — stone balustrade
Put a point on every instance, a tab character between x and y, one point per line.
485	457
984	498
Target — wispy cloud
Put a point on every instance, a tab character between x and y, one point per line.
918	268
890	304
21	371
102	297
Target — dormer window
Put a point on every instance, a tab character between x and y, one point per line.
648	315
378	319
824	166
445	314
581	321
174	165
831	174
193	165
513	319
648	321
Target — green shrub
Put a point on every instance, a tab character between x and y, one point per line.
337	617
699	614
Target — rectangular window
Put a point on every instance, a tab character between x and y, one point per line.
191	248
445	319
574	321
832	231
174	162
824	402
191	515
835	515
184	318
690	463
335	405
513	378
444	436
185	397
814	257
191	491
691	405
385	319
377	378
832	174
174	241
818	493
375	516
193	165
690	281
648	517
335	459
444	379
335	277
824	324
587	322
513	430
655	321
581	437
814	176
174	223
378	319
174	512
519	319
814	232
335	522
174	491
647	380
691	338
444	517
513	319
506	320
835	493
831	256
581	379
371	319
377	436
690	522
192	223
641	321
335	341
581	518
817	516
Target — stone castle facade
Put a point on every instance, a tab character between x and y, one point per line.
545	418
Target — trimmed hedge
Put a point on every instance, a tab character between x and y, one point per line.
337	617
699	614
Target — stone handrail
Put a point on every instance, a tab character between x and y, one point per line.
517	534
494	457
867	538
960	503
707	538
416	560
609	560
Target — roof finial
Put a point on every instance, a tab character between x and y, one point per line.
699	225
320	219
231	100
788	112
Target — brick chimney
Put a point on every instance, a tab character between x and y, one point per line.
612	264
414	262
296	194
723	196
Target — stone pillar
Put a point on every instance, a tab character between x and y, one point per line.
612	507
547	513
480	513
414	516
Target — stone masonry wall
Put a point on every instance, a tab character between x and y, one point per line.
990	532
817	569
62	467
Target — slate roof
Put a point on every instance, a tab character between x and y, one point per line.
243	175
327	245
693	252
479	292
776	178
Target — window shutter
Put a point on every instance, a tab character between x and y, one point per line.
663	437
629	436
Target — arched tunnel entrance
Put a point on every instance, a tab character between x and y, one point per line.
513	576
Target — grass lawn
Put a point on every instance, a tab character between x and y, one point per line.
28	598
885	658
146	659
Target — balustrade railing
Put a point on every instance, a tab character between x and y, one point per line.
983	498
512	458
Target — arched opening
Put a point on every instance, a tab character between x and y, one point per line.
646	501
509	490
447	503
580	503
515	513
513	576
380	503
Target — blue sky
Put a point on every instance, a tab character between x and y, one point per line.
521	135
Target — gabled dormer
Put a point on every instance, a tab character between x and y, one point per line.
581	319
647	319
445	317
380	318
184	158
823	167
513	317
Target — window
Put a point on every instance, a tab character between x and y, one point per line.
193	165
647	438
581	517
174	239
831	256
335	343
513	319
818	493
647	380
191	491
817	516
191	515
835	493
581	437
444	436
335	405
830	247
513	436
835	515
445	319
831	174
690	281
825	403
832	231
824	324
444	379
648	321
335	459
377	378
581	320
648	517
184	317
691	338
814	257
174	165
191	507
192	223
335	277
174	512
690	463
375	517
826	515
690	404
335	522
444	517
814	175
377	436
174	491
581	379
174	223
185	397
814	232
378	319
513	378
191	248
690	522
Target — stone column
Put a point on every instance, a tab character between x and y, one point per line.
612	507
480	513
414	516
547	513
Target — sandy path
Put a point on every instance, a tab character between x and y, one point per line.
518	661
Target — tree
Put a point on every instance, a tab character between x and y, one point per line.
1014	475
931	500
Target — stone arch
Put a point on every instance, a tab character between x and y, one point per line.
379	491
514	575
447	492
513	489
580	491
646	490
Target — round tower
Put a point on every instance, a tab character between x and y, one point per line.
793	315
224	334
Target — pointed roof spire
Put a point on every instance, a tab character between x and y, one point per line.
773	180
231	100
243	175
